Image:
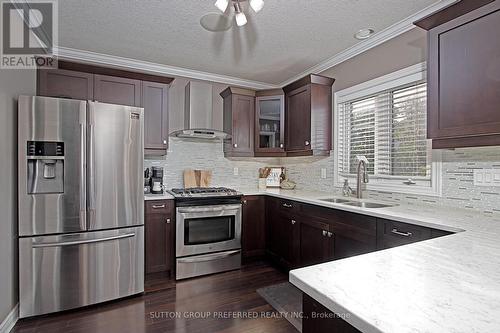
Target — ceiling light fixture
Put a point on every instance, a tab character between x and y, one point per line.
364	33
241	18
222	5
257	5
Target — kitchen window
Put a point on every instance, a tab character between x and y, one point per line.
385	120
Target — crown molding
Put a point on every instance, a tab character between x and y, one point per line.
155	68
377	39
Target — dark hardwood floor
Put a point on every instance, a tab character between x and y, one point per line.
219	294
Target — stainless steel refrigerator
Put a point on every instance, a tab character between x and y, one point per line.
81	220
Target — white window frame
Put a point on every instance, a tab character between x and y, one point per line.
393	80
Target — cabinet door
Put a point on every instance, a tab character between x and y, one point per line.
316	242
65	84
117	90
243	111
269	125
463	74
155	103
253	226
298	119
159	222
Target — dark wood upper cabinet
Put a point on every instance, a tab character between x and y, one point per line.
65	84
114	86
239	119
270	123
463	78
308	116
159	235
155	103
117	90
253	233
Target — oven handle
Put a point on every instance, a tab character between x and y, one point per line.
208	257
207	209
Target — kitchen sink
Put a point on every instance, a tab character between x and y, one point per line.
336	200
368	204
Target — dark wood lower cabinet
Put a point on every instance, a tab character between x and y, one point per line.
316	242
253	233
318	319
159	224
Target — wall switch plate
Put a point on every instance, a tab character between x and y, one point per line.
323	173
236	171
487	177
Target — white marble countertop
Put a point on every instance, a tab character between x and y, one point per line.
446	284
164	196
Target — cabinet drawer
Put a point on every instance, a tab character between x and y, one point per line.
391	233
288	206
159	207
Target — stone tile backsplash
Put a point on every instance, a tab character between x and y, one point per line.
458	168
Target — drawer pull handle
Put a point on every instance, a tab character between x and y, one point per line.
287	205
399	233
158	207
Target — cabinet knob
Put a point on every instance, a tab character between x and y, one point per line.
330	234
307	143
164	142
324	232
235	145
293	221
168	221
244	202
282	145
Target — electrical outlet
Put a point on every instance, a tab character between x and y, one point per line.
323	173
487	177
236	171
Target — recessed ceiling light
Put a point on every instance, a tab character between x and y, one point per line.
364	33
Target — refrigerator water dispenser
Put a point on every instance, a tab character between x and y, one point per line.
45	166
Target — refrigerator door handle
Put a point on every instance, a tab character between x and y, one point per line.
91	168
83	184
86	241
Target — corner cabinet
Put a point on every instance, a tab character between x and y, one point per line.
270	123
239	119
464	74
308	116
113	86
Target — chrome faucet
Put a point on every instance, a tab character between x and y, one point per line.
362	167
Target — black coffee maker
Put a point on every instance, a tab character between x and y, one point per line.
156	180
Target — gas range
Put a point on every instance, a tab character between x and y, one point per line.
205	196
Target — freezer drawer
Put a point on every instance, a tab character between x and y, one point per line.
68	271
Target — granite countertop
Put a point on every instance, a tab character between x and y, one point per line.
446	284
164	196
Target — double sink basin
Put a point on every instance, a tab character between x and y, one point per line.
361	204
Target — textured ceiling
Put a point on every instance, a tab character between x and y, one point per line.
284	39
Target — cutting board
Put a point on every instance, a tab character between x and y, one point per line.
197	178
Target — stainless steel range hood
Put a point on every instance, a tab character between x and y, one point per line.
198	114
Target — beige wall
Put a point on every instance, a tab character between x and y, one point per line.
12	84
405	50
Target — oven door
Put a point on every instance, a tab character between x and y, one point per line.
206	229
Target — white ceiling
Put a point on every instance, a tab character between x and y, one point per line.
285	39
